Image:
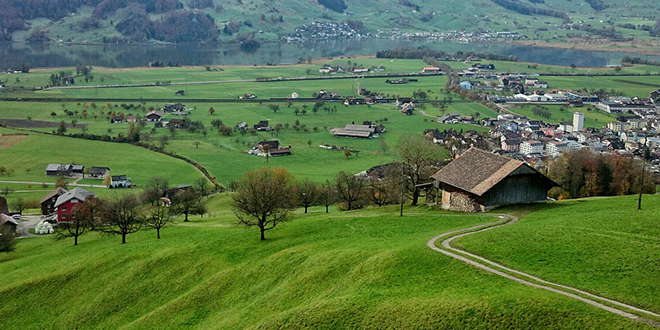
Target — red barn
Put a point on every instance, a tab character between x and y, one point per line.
67	202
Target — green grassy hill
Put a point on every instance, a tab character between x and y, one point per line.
345	270
537	19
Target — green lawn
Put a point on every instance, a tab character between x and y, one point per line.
351	270
602	245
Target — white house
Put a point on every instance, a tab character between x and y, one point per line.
556	148
531	147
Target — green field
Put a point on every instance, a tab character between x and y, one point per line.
226	157
603	245
30	157
348	270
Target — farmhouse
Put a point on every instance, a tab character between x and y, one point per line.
479	181
177	123
431	70
59	169
119	181
174	107
48	202
99	172
67	202
154	116
169	193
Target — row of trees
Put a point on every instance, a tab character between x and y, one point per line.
584	173
265	197
128	214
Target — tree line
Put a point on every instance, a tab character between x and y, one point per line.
264	198
584	173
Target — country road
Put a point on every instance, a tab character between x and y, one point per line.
606	304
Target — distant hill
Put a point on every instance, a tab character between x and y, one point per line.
118	21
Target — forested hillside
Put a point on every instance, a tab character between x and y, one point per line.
120	21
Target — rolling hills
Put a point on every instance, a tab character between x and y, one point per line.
114	21
343	270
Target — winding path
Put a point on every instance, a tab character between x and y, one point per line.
609	305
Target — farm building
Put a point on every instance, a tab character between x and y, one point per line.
59	169
48	202
119	181
67	202
479	181
357	131
153	116
99	172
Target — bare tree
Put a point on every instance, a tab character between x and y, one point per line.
121	216
202	186
419	155
188	202
83	219
350	190
307	194
326	195
159	216
155	188
264	198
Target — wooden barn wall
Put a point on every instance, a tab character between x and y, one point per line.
515	189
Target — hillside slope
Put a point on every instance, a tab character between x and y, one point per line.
350	270
208	20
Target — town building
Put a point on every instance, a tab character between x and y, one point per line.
529	147
578	121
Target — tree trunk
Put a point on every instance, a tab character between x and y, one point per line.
186	220
75	240
123	238
263	237
158	233
305	209
326	209
415	197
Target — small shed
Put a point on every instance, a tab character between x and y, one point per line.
479	181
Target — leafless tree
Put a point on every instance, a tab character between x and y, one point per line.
155	187
264	198
307	194
350	190
159	216
82	219
121	216
188	202
326	195
418	155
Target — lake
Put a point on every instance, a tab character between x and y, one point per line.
12	55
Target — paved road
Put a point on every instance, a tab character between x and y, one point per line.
609	305
26	223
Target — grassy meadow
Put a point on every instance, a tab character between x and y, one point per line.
602	245
343	270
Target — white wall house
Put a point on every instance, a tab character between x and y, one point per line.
531	147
